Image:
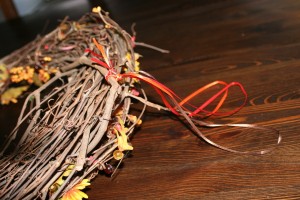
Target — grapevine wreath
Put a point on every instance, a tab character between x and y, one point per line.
79	119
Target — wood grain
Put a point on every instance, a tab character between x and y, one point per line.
256	43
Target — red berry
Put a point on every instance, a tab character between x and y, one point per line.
109	169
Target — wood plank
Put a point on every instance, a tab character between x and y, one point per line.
8	8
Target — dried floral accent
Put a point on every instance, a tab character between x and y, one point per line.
134	92
109	169
21	73
133	119
22	76
75	193
36	80
47	59
118	155
68	171
119	111
11	94
122	138
44	76
136	62
96	9
60	180
52	70
3	73
122	141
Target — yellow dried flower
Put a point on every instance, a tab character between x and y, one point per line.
60	180
118	155
75	193
96	9
136	63
43	75
47	59
133	119
122	138
19	74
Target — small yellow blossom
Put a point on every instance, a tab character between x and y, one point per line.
118	155
19	74
47	59
133	119
52	70
44	76
136	63
96	9
137	66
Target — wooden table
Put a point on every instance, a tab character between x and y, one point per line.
256	43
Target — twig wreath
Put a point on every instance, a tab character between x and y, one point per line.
85	122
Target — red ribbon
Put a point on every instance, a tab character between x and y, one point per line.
166	92
162	89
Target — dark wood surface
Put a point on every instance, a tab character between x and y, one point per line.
256	43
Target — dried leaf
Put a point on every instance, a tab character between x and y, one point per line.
3	73
36	80
11	94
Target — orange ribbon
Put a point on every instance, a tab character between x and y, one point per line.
180	109
163	90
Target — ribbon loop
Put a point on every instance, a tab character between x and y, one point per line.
178	108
